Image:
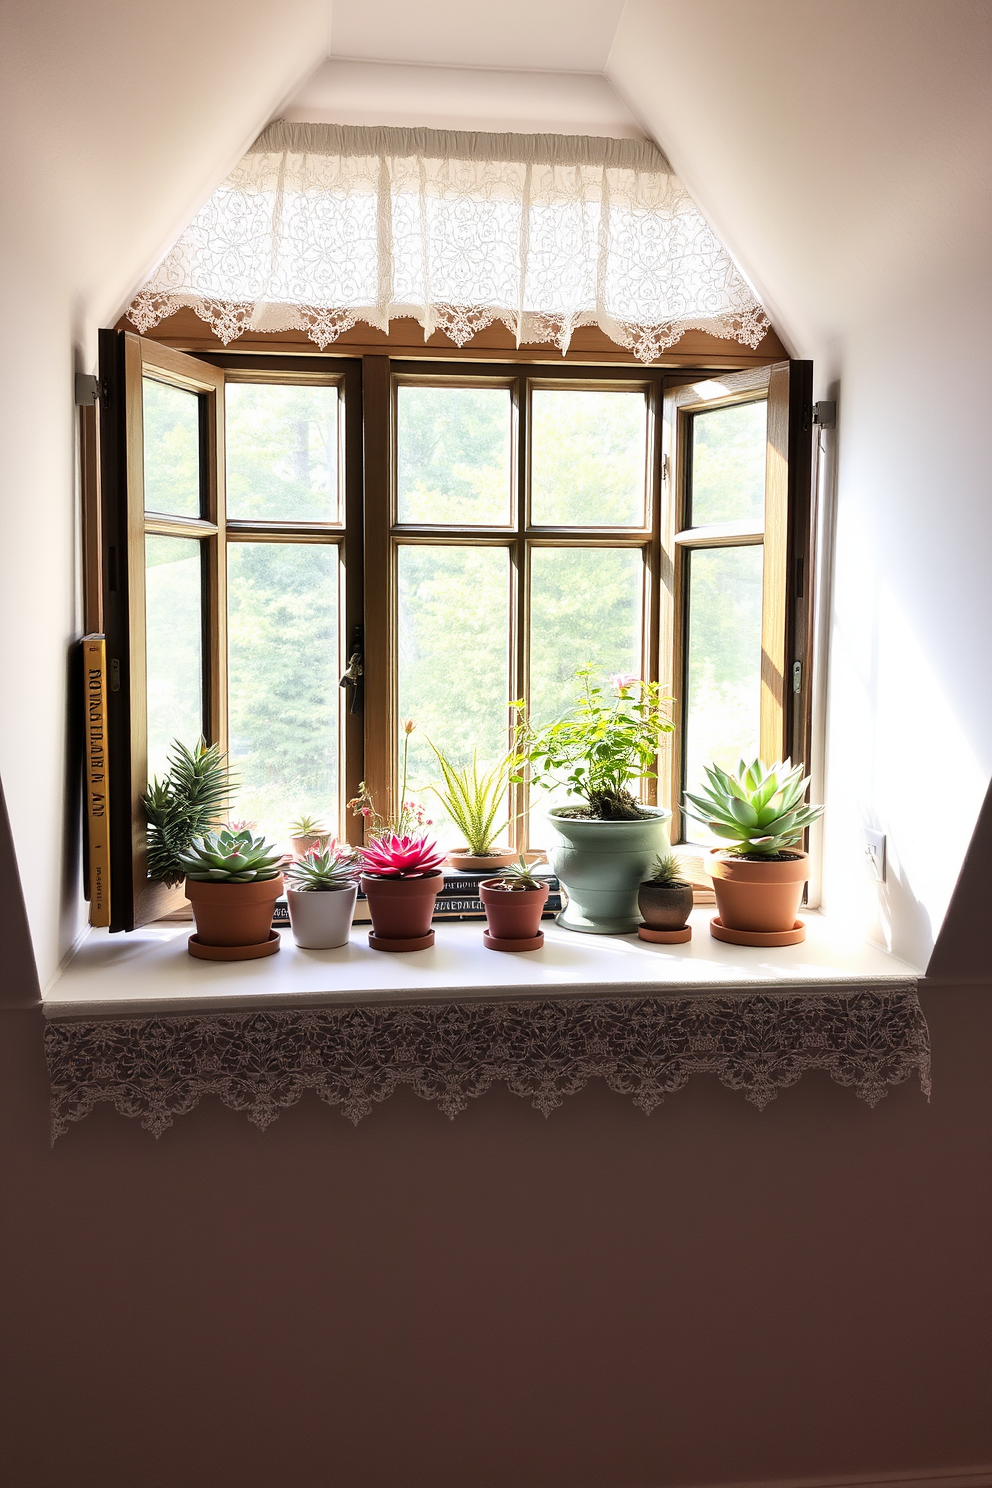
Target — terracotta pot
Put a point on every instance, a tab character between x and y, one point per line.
758	898
513	916
303	845
464	861
321	918
234	916
665	906
401	909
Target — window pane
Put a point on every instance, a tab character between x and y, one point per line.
171	422
586	608
723	664
589	458
282	453
283	683
453	457
174	645
728	464
454	642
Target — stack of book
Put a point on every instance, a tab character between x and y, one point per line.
458	900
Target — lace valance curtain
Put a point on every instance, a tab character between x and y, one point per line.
324	225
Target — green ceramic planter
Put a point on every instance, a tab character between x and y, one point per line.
602	864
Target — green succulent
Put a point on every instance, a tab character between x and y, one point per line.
231	857
194	794
473	800
324	869
667	870
759	811
308	826
520	875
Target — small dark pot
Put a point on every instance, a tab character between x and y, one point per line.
665	906
401	910
513	914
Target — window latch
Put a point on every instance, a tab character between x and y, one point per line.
353	676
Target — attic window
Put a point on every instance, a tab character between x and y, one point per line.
321	226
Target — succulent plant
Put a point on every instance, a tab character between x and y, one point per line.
759	811
519	875
308	826
193	795
401	857
667	870
323	869
231	857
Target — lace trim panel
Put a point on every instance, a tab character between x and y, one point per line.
161	1067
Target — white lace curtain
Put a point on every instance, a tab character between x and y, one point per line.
323	225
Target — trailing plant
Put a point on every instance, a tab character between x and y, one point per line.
519	875
473	801
608	740
324	869
232	857
411	816
192	797
394	856
667	870
308	826
757	813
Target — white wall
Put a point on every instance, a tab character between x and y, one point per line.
842	152
116	127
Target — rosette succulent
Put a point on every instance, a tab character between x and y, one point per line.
231	857
519	875
758	812
402	857
324	869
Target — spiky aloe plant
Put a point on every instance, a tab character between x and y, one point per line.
473	800
231	857
193	796
401	857
324	869
759	811
519	875
667	870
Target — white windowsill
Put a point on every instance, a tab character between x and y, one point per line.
150	970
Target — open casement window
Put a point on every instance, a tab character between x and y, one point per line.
224	595
735	572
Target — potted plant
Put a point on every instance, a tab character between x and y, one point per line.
321	889
401	879
233	880
514	902
604	744
759	873
473	802
306	833
193	796
665	902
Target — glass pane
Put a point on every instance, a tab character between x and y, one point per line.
453	456
171	422
589	458
454	643
174	645
284	669
728	464
282	452
586	608
723	664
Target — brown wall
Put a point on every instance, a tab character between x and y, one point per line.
706	1295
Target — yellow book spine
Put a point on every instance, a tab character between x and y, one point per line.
97	813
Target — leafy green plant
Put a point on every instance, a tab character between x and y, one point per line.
308	826
519	875
607	741
231	857
473	800
667	870
191	798
323	869
758	812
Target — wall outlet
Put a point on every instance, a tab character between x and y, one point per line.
875	853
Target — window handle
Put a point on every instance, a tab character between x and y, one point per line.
353	676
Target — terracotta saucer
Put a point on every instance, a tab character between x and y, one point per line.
665	937
413	943
504	943
758	937
204	952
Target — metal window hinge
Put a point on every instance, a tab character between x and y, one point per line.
665	468
825	415
797	676
87	389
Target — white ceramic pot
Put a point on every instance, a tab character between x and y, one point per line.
321	918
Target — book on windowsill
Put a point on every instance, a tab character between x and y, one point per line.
97	814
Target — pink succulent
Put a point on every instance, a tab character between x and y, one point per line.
402	857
